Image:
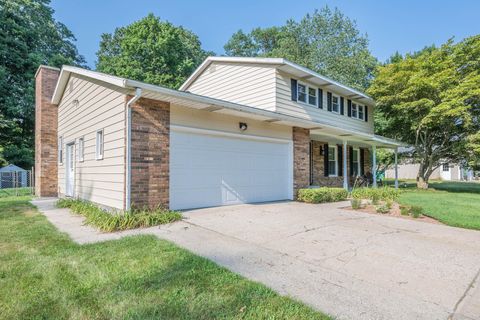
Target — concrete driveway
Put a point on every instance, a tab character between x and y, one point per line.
348	264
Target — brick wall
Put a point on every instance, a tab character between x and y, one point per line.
46	124
301	159
150	147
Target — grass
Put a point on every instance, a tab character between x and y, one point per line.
44	275
8	192
456	204
110	221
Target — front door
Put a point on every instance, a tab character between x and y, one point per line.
70	170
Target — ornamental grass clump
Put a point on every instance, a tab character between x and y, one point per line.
322	195
356	204
376	194
116	221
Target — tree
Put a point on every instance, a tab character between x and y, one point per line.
152	51
326	41
431	100
29	36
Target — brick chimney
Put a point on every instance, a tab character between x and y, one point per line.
46	140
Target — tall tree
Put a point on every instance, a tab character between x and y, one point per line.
152	51
431	100
29	36
326	41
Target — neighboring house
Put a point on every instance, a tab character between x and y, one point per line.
12	176
239	130
447	172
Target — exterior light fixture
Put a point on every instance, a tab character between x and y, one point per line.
243	126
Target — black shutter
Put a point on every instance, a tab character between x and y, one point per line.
366	114
340	160
325	160
329	101
349	108
293	83
320	98
362	161
350	150
341	106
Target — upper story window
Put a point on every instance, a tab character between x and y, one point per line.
312	96
335	104
358	111
302	93
307	94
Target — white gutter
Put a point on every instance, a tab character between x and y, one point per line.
138	94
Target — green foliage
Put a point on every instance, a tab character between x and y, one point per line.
384	194
430	100
416	211
404	211
29	36
382	209
109	221
356	204
152	51
389	204
321	195
325	41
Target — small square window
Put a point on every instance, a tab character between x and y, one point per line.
302	93
99	145
446	167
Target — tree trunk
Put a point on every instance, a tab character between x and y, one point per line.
422	183
423	175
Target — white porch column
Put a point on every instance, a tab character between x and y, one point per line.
374	165
345	173
396	168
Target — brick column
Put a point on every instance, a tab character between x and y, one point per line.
150	149
301	159
46	139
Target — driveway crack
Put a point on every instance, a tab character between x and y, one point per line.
470	287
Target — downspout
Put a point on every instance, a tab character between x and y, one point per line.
138	94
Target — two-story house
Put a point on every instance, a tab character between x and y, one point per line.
239	130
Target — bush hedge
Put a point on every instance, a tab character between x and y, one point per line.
375	194
115	221
321	195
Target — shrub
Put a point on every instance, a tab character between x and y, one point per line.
404	211
321	195
382	209
356	203
389	204
114	221
376	194
416	211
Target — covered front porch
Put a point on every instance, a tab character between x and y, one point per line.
339	159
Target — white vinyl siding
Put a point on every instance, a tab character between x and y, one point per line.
284	104
249	84
99	108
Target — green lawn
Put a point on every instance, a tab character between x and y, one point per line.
44	275
453	203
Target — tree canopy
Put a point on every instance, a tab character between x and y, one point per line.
325	41
431	101
152	51
29	36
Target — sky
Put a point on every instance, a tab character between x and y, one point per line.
403	25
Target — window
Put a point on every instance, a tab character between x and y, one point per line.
446	167
332	161
99	145
81	147
335	104
356	162
60	150
312	96
302	93
357	111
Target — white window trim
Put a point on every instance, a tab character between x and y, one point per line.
336	160
358	114
81	149
307	95
338	99
60	150
99	156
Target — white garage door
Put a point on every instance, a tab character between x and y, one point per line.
208	169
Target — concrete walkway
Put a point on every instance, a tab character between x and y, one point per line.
349	264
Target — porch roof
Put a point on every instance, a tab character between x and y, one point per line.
195	101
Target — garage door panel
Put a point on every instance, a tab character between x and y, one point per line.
211	170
